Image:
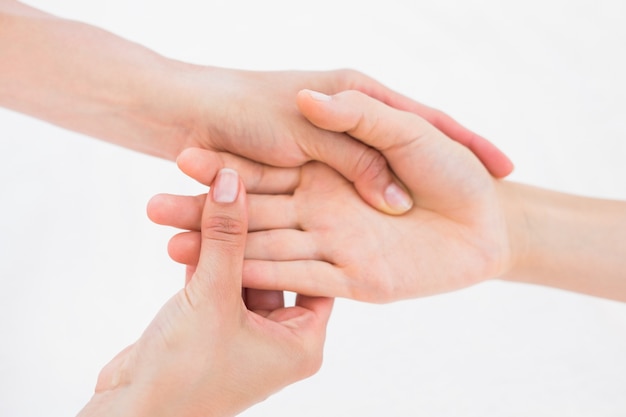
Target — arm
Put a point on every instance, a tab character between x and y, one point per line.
567	241
91	81
552	239
207	353
88	80
465	228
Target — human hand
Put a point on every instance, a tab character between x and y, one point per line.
320	238
456	234
206	353
109	88
253	114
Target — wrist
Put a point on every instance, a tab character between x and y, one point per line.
567	241
160	108
516	214
191	106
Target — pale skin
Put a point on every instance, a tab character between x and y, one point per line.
315	236
88	80
207	352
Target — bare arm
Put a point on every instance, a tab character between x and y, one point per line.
553	239
91	81
567	241
86	79
465	228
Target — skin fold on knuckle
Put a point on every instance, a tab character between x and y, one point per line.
224	228
348	78
370	165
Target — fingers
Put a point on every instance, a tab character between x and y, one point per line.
185	212
282	245
184	248
363	166
272	212
276	245
362	117
496	162
202	165
263	301
313	278
223	237
182	212
440	172
321	306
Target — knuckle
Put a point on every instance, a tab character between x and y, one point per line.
370	165
223	227
367	125
348	76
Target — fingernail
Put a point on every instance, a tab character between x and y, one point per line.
397	198
316	95
226	186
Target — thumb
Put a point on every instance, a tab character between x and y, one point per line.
496	161
224	227
439	171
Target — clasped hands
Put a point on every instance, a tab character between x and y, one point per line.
262	230
311	233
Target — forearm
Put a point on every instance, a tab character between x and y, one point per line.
88	80
566	241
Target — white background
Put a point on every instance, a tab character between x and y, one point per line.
83	270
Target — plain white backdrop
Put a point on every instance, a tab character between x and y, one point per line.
83	270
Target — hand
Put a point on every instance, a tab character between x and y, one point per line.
205	353
326	241
88	80
124	93
253	114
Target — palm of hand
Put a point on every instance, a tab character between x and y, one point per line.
367	255
206	351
